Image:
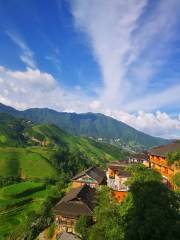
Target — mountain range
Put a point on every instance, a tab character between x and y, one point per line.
93	125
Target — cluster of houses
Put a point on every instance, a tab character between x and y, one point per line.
81	199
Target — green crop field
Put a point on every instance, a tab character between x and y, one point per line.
17	201
26	162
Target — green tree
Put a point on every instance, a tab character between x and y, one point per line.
173	157
176	179
152	214
108	219
142	174
82	226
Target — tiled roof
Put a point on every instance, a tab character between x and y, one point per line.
67	236
117	164
165	149
78	201
94	172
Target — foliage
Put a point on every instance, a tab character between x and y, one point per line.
11	131
176	179
143	174
69	163
51	230
82	226
153	213
108	218
150	211
173	157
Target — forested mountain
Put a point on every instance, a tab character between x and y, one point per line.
89	125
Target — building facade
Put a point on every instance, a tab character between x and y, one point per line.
158	161
117	177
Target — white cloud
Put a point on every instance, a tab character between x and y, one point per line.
33	88
27	56
130	45
131	41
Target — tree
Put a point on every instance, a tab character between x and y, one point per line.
173	157
150	211
82	226
142	174
176	179
152	214
108	219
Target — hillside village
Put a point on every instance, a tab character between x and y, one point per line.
81	198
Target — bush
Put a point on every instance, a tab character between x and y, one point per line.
82	226
51	230
173	157
176	179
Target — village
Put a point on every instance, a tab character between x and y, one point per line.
81	198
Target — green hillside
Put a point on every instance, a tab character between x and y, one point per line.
27	149
89	125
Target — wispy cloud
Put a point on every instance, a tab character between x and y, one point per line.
27	55
55	60
131	41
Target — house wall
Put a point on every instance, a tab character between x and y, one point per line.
76	184
65	223
120	183
160	164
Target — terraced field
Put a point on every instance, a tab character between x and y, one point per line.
17	201
27	163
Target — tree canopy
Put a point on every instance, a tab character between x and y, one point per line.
150	211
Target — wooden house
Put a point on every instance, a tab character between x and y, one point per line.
158	161
93	176
78	201
117	176
138	158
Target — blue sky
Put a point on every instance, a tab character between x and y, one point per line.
120	58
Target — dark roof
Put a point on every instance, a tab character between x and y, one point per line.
117	164
78	201
140	156
165	149
67	236
94	172
122	172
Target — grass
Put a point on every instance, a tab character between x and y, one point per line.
15	210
